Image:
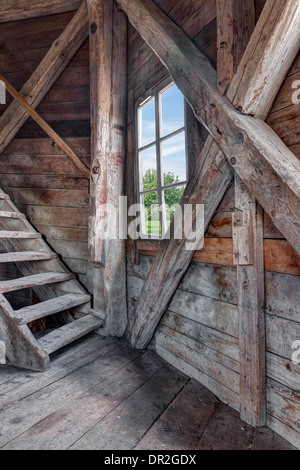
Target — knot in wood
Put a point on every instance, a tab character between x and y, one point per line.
93	28
96	170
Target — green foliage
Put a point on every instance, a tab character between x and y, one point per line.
172	195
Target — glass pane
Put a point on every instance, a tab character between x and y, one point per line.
172	197
172	110
146	124
174	159
152	224
148	171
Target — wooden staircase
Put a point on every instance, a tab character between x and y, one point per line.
55	286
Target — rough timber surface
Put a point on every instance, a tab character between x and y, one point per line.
85	401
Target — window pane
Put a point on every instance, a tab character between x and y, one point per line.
174	159
172	110
146	125
148	169
152	225
172	197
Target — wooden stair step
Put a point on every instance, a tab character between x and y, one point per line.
14	234
35	280
12	215
4	197
49	307
16	256
69	333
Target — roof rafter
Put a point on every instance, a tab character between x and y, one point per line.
15	10
48	129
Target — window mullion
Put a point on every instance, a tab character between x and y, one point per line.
158	160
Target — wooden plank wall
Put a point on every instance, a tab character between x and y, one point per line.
199	332
41	181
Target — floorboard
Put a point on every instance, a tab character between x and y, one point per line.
98	394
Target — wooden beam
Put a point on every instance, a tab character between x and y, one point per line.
14	10
108	66
186	65
251	300
48	129
40	82
279	256
261	70
235	23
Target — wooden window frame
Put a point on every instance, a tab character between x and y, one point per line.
155	93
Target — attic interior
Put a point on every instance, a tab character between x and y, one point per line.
126	335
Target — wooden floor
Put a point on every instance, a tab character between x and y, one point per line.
101	395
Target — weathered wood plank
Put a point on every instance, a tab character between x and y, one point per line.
43	182
14	257
182	424
222	392
283	295
70	249
196	346
21	347
49	307
56	216
21	10
283	430
212	313
139	329
108	65
216	282
20	385
279	256
68	333
283	371
280	335
265	439
63	392
251	301
63	233
112	431
214	369
235	24
81	146
284	405
46	74
35	280
214	339
14	234
45	126
214	437
260	71
11	215
87	405
49	197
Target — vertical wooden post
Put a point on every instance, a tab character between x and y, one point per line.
235	24
108	69
250	278
236	21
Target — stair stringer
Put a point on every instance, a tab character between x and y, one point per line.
22	349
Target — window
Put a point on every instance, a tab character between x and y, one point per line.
162	162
